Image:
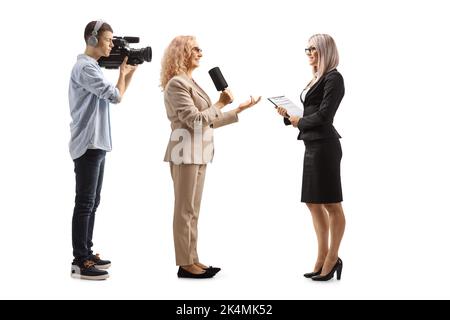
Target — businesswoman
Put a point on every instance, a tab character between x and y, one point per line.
321	186
193	117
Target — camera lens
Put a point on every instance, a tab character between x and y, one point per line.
147	54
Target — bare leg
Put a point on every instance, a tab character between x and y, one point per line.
337	227
321	226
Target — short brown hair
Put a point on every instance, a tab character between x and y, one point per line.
90	27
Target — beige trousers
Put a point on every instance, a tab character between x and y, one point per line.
188	182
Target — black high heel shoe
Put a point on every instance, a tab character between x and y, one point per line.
312	274
337	268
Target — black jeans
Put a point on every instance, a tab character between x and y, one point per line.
89	177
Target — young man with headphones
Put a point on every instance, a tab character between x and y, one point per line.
89	96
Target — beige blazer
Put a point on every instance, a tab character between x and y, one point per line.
192	117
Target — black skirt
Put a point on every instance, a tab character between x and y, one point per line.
322	171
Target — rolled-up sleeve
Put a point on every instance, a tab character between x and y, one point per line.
93	81
180	99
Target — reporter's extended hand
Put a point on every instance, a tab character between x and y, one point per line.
226	97
127	69
247	104
282	111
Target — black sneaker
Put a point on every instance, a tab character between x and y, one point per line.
99	263
87	271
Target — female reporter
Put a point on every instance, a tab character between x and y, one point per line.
193	117
321	186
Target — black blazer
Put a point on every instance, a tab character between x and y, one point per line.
320	106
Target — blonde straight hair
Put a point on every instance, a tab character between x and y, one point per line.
328	56
177	58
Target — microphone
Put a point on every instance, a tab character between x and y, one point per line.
218	79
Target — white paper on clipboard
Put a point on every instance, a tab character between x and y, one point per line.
291	108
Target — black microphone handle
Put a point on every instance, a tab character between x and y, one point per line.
217	77
219	81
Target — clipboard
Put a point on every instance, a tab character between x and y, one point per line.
291	108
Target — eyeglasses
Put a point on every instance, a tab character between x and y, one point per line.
197	49
310	50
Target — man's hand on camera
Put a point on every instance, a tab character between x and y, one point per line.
127	69
125	75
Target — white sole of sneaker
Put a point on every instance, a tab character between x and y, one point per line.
106	266
78	276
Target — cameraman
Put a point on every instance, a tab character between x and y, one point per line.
89	97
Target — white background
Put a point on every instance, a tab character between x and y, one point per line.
393	119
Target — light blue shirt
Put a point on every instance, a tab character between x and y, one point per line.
89	97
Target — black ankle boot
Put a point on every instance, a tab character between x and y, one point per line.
337	268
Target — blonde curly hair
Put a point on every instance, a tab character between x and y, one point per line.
177	58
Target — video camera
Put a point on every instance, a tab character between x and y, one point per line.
121	50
